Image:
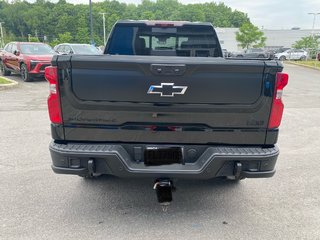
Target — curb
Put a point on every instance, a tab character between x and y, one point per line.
301	65
12	84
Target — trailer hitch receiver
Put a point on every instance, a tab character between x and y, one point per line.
164	188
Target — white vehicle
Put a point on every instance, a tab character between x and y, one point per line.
292	54
74	48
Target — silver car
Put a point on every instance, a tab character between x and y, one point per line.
253	53
292	54
75	48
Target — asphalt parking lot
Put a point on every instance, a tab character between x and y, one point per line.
35	203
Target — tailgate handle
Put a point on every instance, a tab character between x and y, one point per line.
168	69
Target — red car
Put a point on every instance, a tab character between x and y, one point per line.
27	58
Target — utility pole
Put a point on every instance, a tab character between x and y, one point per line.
91	28
1	35
104	27
314	21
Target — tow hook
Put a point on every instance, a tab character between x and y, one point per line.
164	188
91	167
237	170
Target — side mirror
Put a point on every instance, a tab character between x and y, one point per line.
16	52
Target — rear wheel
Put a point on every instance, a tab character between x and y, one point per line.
3	70
261	56
303	58
24	73
282	58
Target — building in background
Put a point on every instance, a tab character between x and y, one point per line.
227	38
275	38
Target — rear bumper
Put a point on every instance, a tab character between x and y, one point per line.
38	67
37	70
214	161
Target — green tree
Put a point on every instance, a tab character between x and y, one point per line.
148	15
192	12
34	39
307	42
54	42
51	18
65	37
250	36
83	35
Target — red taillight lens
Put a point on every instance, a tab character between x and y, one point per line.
51	74
277	104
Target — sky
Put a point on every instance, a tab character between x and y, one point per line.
267	14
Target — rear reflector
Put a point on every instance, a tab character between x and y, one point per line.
51	74
277	104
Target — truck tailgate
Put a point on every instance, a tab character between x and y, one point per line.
196	100
128	79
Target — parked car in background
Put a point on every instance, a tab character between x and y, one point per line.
75	48
27	58
253	53
226	53
282	49
101	49
292	54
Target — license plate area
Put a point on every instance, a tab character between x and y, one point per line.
156	156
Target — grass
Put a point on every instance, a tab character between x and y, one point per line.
4	81
310	63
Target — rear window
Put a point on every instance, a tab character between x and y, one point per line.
86	49
187	41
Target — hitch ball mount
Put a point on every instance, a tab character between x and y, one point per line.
164	188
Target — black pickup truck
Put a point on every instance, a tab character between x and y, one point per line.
162	102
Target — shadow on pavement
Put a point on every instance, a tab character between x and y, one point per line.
17	78
111	196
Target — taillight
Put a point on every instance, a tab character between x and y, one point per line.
51	74
277	104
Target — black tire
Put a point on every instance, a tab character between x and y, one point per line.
303	58
261	56
3	70
282	58
25	73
